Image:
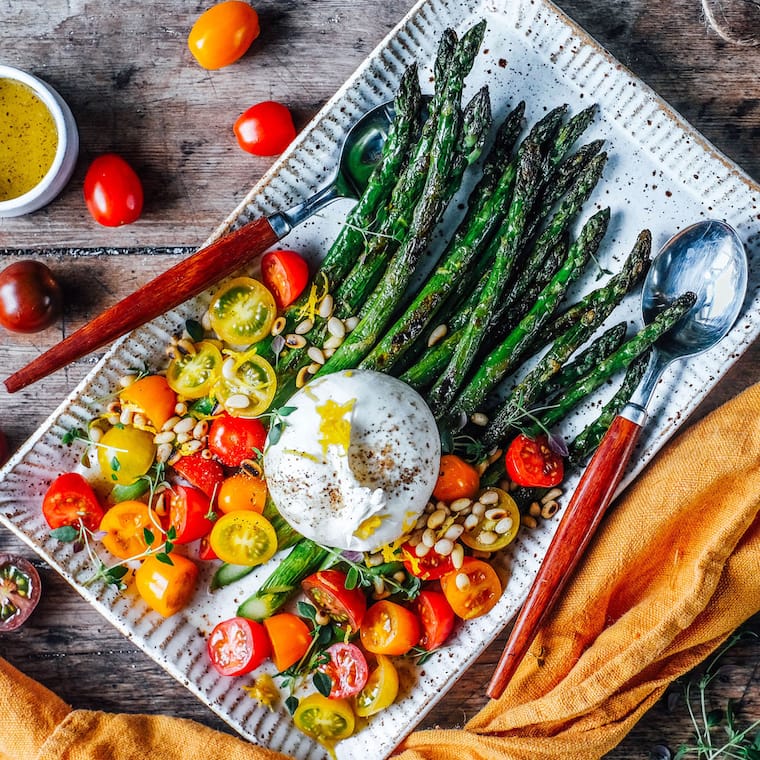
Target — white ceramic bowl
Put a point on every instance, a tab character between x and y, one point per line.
66	153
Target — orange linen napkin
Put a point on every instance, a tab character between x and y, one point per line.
673	571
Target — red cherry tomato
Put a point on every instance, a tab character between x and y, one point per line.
347	669
205	552
68	500
206	474
223	33
436	616
430	567
232	440
286	274
265	129
30	297
327	589
189	510
531	462
238	646
457	479
113	191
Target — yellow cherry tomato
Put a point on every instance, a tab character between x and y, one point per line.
124	526
223	33
497	527
241	491
166	588
381	688
243	537
193	375
328	721
125	453
242	311
152	396
251	378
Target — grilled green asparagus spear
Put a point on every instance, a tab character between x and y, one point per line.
587	441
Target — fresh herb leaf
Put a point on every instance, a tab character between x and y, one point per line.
322	683
195	330
292	704
66	533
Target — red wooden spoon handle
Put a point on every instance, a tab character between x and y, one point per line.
582	516
184	280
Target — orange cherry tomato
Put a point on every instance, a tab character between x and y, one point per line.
286	274
124	526
290	639
223	33
531	462
242	491
389	628
479	595
166	588
152	396
456	480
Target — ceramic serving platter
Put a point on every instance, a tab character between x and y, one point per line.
661	175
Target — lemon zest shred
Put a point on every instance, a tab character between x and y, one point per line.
309	309
368	527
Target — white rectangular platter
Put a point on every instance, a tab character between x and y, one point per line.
662	175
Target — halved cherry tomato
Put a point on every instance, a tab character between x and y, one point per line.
436	616
286	274
243	538
242	311
113	191
347	669
497	527
203	473
232	440
68	500
189	514
205	552
223	33
193	375
430	567
389	628
152	396
380	690
124	526
250	377
125	453
290	639
531	462
237	646
19	591
479	595
457	479
325	720
242	491
327	589
166	588
265	129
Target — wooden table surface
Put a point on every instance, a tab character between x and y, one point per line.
135	89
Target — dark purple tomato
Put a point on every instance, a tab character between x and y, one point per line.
30	297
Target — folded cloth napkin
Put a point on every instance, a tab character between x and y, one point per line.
674	569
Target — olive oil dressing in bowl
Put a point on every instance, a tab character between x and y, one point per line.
39	142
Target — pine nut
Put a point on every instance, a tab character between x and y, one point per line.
534	510
183	438
313	368
479	419
506	485
333	341
114	407
126	416
378	585
478	509
454	531
436	519
399	576
414	539
444	546
495	514
303	327
487	537
126	380
549	509
206	454
315	354
201	429
112	419
170	423
495	455
374	560
180	408
139	420
295	341
163	452
503	526
187	347
278	325
481	467
462	581
470	522
228	368
457	556
551	495
328	352
166	437
172	352
428	537
326	306
206	320
430	507
301	377
489	498
351	323
185	425
528	521
95	433
336	327
193	446
460	505
437	335
321	618
421	522
421	550
237	401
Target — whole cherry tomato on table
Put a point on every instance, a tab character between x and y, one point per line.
238	645
286	274
68	500
166	588
30	297
265	129
113	191
232	440
223	33
531	462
